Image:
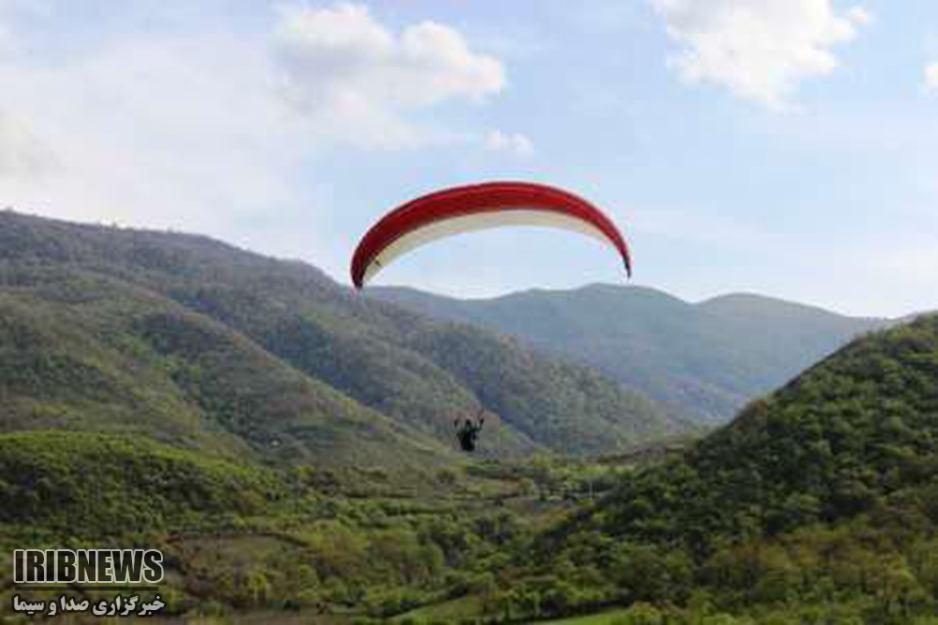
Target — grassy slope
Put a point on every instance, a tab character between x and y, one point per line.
707	359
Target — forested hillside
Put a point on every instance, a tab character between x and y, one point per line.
129	328
287	443
816	504
706	360
82	351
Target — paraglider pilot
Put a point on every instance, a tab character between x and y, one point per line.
468	432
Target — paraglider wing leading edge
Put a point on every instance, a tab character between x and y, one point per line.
478	207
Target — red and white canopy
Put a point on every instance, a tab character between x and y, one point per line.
479	207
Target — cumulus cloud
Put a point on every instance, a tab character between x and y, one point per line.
344	68
190	127
152	132
759	49
514	143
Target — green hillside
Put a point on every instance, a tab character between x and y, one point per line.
185	337
816	504
275	544
97	485
859	428
86	352
705	360
286	442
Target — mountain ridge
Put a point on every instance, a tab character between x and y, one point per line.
705	359
381	357
815	504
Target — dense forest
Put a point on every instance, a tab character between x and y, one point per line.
168	391
816	505
705	359
287	443
218	333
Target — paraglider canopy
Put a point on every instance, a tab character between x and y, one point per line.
479	207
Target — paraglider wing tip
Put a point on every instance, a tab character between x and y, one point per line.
357	270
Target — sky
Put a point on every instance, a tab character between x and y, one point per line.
782	147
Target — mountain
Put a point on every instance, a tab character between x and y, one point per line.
87	352
256	422
203	345
858	428
818	499
705	360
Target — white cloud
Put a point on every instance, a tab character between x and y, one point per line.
188	127
154	132
931	77
349	72
514	143
759	49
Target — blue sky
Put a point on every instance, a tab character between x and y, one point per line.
784	147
